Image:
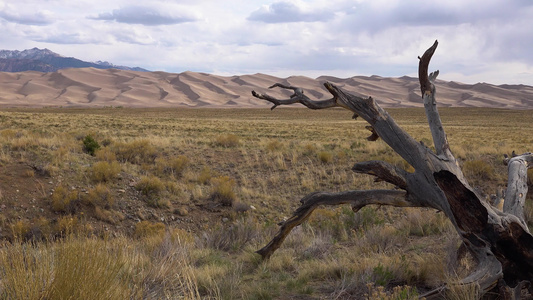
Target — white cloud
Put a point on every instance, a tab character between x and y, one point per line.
305	37
40	18
148	15
287	12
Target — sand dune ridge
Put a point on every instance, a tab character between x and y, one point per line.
111	87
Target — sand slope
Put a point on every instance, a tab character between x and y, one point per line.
112	87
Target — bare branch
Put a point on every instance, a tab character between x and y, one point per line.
425	84
433	76
430	104
358	200
383	171
297	97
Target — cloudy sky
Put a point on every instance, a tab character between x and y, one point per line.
479	41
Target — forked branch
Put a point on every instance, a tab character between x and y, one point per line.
358	200
297	97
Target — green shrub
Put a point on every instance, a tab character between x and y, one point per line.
90	145
104	171
222	190
382	275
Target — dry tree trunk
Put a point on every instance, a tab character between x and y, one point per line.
499	241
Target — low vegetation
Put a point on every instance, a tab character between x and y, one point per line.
173	203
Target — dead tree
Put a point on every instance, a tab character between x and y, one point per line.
500	242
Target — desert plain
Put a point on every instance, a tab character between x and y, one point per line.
135	185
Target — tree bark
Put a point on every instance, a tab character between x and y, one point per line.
499	241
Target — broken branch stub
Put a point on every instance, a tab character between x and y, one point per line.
500	242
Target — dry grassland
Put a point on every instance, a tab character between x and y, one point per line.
119	203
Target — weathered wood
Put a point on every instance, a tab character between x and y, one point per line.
515	196
499	241
423	66
358	200
383	171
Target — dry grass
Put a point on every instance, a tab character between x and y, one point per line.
223	190
103	171
153	160
64	200
90	268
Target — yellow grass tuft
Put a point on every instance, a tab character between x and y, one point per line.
63	200
103	171
223	190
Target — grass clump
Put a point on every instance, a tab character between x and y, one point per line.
234	238
223	190
152	187
325	157
148	229
100	196
104	171
309	150
398	293
479	169
135	152
87	269
67	225
227	141
105	154
63	200
20	229
205	175
26	272
274	145
173	166
90	145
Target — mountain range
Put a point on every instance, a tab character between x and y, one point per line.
44	60
103	84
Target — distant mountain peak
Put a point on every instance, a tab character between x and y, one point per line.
33	53
45	60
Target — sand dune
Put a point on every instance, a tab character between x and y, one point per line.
112	87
